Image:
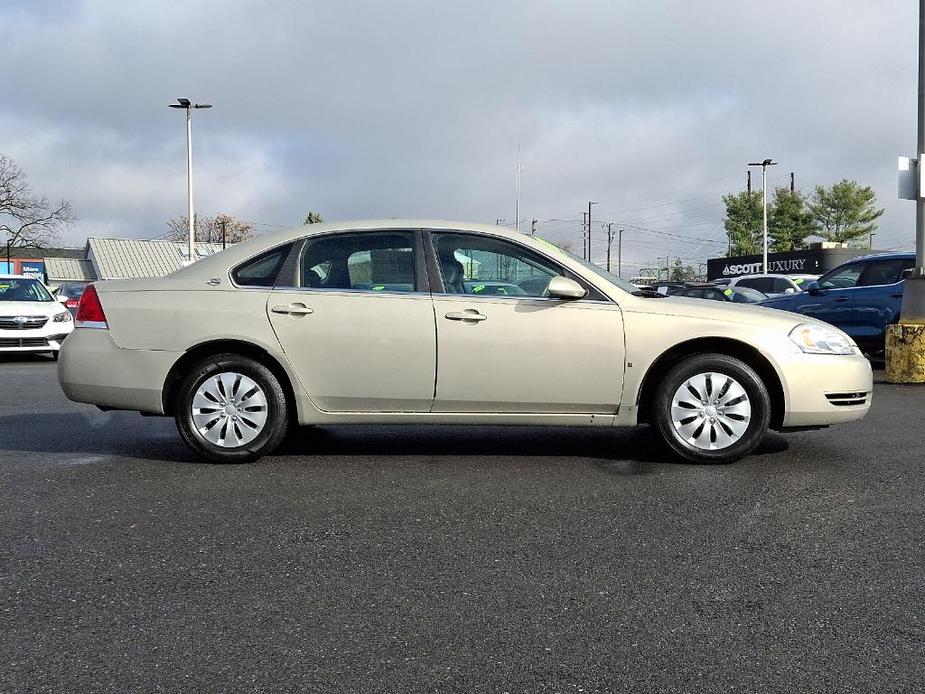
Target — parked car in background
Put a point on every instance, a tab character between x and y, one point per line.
773	285
69	293
861	297
30	318
288	328
737	295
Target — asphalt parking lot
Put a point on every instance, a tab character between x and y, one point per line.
456	560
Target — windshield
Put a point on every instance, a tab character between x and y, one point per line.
600	272
15	289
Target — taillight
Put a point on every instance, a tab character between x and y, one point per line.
90	310
71	303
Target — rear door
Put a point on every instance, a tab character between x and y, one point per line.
358	326
520	351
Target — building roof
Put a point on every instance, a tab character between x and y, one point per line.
130	258
31	253
69	269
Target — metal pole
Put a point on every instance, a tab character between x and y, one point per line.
870	241
764	224
913	310
609	243
620	253
224	222
584	235
189	181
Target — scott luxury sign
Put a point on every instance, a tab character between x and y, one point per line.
792	263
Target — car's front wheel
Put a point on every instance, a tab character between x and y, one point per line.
231	409
712	408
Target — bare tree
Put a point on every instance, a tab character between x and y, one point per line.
27	219
313	218
209	229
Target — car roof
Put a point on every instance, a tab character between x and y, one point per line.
882	256
17	277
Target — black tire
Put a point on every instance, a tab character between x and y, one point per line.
269	437
744	375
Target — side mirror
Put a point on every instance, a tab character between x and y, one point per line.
905	274
563	288
813	288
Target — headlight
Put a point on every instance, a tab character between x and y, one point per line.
815	339
62	317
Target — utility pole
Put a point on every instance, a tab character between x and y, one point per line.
589	229
224	222
913	310
870	240
748	184
620	253
764	206
609	242
533	227
792	186
584	235
9	263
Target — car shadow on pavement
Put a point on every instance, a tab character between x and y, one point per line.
88	436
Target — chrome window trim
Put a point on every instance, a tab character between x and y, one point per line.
350	292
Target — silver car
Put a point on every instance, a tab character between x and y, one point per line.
433	322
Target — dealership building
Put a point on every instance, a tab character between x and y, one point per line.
815	260
103	259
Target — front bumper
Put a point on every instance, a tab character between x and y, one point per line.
94	370
822	389
46	339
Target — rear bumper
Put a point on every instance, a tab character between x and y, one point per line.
92	369
820	390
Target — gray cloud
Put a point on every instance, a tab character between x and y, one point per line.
416	109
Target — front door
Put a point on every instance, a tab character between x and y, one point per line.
504	346
356	330
832	302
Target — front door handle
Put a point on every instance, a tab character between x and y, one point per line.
293	309
840	299
470	314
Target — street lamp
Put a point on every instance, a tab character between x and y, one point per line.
764	200
186	104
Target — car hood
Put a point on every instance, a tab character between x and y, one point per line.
30	308
727	312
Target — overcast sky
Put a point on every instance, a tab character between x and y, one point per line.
416	109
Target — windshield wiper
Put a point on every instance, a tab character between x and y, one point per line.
648	294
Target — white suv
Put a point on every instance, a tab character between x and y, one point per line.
30	318
773	285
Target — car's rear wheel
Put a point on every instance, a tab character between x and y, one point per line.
231	409
712	408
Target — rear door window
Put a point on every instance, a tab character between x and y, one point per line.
375	262
885	271
262	270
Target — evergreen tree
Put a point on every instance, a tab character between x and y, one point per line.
845	212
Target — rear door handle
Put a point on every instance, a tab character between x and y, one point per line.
293	309
469	314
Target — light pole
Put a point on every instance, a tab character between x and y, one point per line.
620	253
913	310
189	106
764	203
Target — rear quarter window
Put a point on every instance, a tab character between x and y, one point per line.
262	270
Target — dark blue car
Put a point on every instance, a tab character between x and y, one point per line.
861	297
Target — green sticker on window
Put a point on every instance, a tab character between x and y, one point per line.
799	280
478	289
378	287
727	292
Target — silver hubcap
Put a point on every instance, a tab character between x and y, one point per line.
710	411
229	410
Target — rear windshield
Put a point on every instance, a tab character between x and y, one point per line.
23	290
